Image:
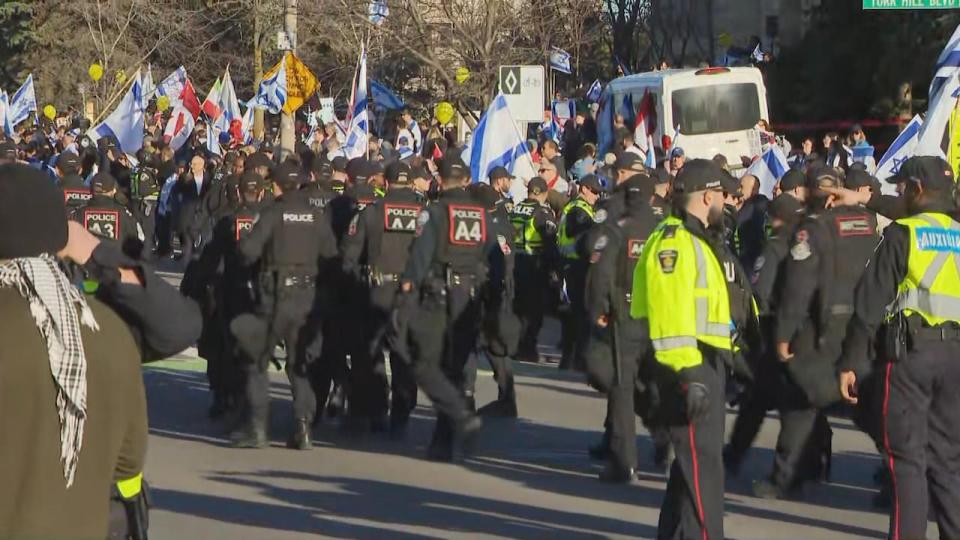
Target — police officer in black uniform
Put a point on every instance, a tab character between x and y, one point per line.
375	250
445	273
618	343
661	192
294	245
827	256
75	193
320	189
785	213
535	234
105	217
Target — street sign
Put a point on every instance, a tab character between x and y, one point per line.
911	4
523	88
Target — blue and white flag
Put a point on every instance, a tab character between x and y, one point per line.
172	86
938	118
593	93
384	97
23	102
947	64
497	143
149	89
560	60
125	123
272	91
771	166
247	122
605	123
4	114
651	160
901	149
757	54
357	134
213	140
378	11
227	103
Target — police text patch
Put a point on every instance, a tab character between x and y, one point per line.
468	225
400	217
634	248
244	225
854	226
102	223
76	196
668	260
297	217
937	239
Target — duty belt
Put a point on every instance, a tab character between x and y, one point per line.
302	282
378	279
937	333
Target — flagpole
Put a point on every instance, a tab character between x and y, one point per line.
123	90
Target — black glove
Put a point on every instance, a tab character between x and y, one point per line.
698	401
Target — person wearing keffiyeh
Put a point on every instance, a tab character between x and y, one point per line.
72	405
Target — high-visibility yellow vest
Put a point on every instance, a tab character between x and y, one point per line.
527	239
130	487
566	243
931	288
680	288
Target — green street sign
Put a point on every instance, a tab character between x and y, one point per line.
911	4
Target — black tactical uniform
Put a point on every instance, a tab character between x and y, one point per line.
445	273
75	193
535	235
375	250
106	218
295	245
618	345
827	256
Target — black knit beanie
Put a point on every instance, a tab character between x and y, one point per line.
33	220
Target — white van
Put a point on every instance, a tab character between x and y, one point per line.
714	110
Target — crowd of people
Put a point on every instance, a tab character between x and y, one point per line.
676	287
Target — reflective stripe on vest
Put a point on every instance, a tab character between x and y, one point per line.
130	487
568	244
931	287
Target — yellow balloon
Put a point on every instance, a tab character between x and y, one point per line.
121	76
50	112
462	74
443	112
95	71
163	103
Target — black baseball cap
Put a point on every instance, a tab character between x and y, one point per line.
398	172
705	174
638	188
499	172
823	177
592	182
452	167
103	183
288	174
628	161
250	182
356	169
339	164
857	179
660	176
8	150
68	162
929	171
793	179
374	168
786	208
257	159
420	172
537	186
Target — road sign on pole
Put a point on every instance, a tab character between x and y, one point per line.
911	4
523	87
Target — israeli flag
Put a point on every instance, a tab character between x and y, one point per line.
172	86
247	122
651	160
149	89
23	102
901	149
771	166
497	143
938	118
378	11
947	64
125	123
357	134
4	114
593	93
272	92
560	60
384	97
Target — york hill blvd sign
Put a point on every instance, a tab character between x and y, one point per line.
911	4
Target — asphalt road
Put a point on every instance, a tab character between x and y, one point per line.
530	479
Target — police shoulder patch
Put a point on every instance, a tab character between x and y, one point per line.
801	250
668	260
601	243
504	245
600	216
352	231
758	264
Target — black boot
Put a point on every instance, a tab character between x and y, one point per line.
601	450
616	474
300	438
254	435
441	445
467	432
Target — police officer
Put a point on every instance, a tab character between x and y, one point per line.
575	220
320	189
105	217
913	283
680	291
827	256
615	251
785	213
376	250
75	193
234	290
447	267
294	245
661	192
535	232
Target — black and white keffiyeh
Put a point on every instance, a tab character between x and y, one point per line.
54	302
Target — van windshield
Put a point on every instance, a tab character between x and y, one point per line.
716	108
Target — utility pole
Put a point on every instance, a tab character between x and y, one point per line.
258	39
287	131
